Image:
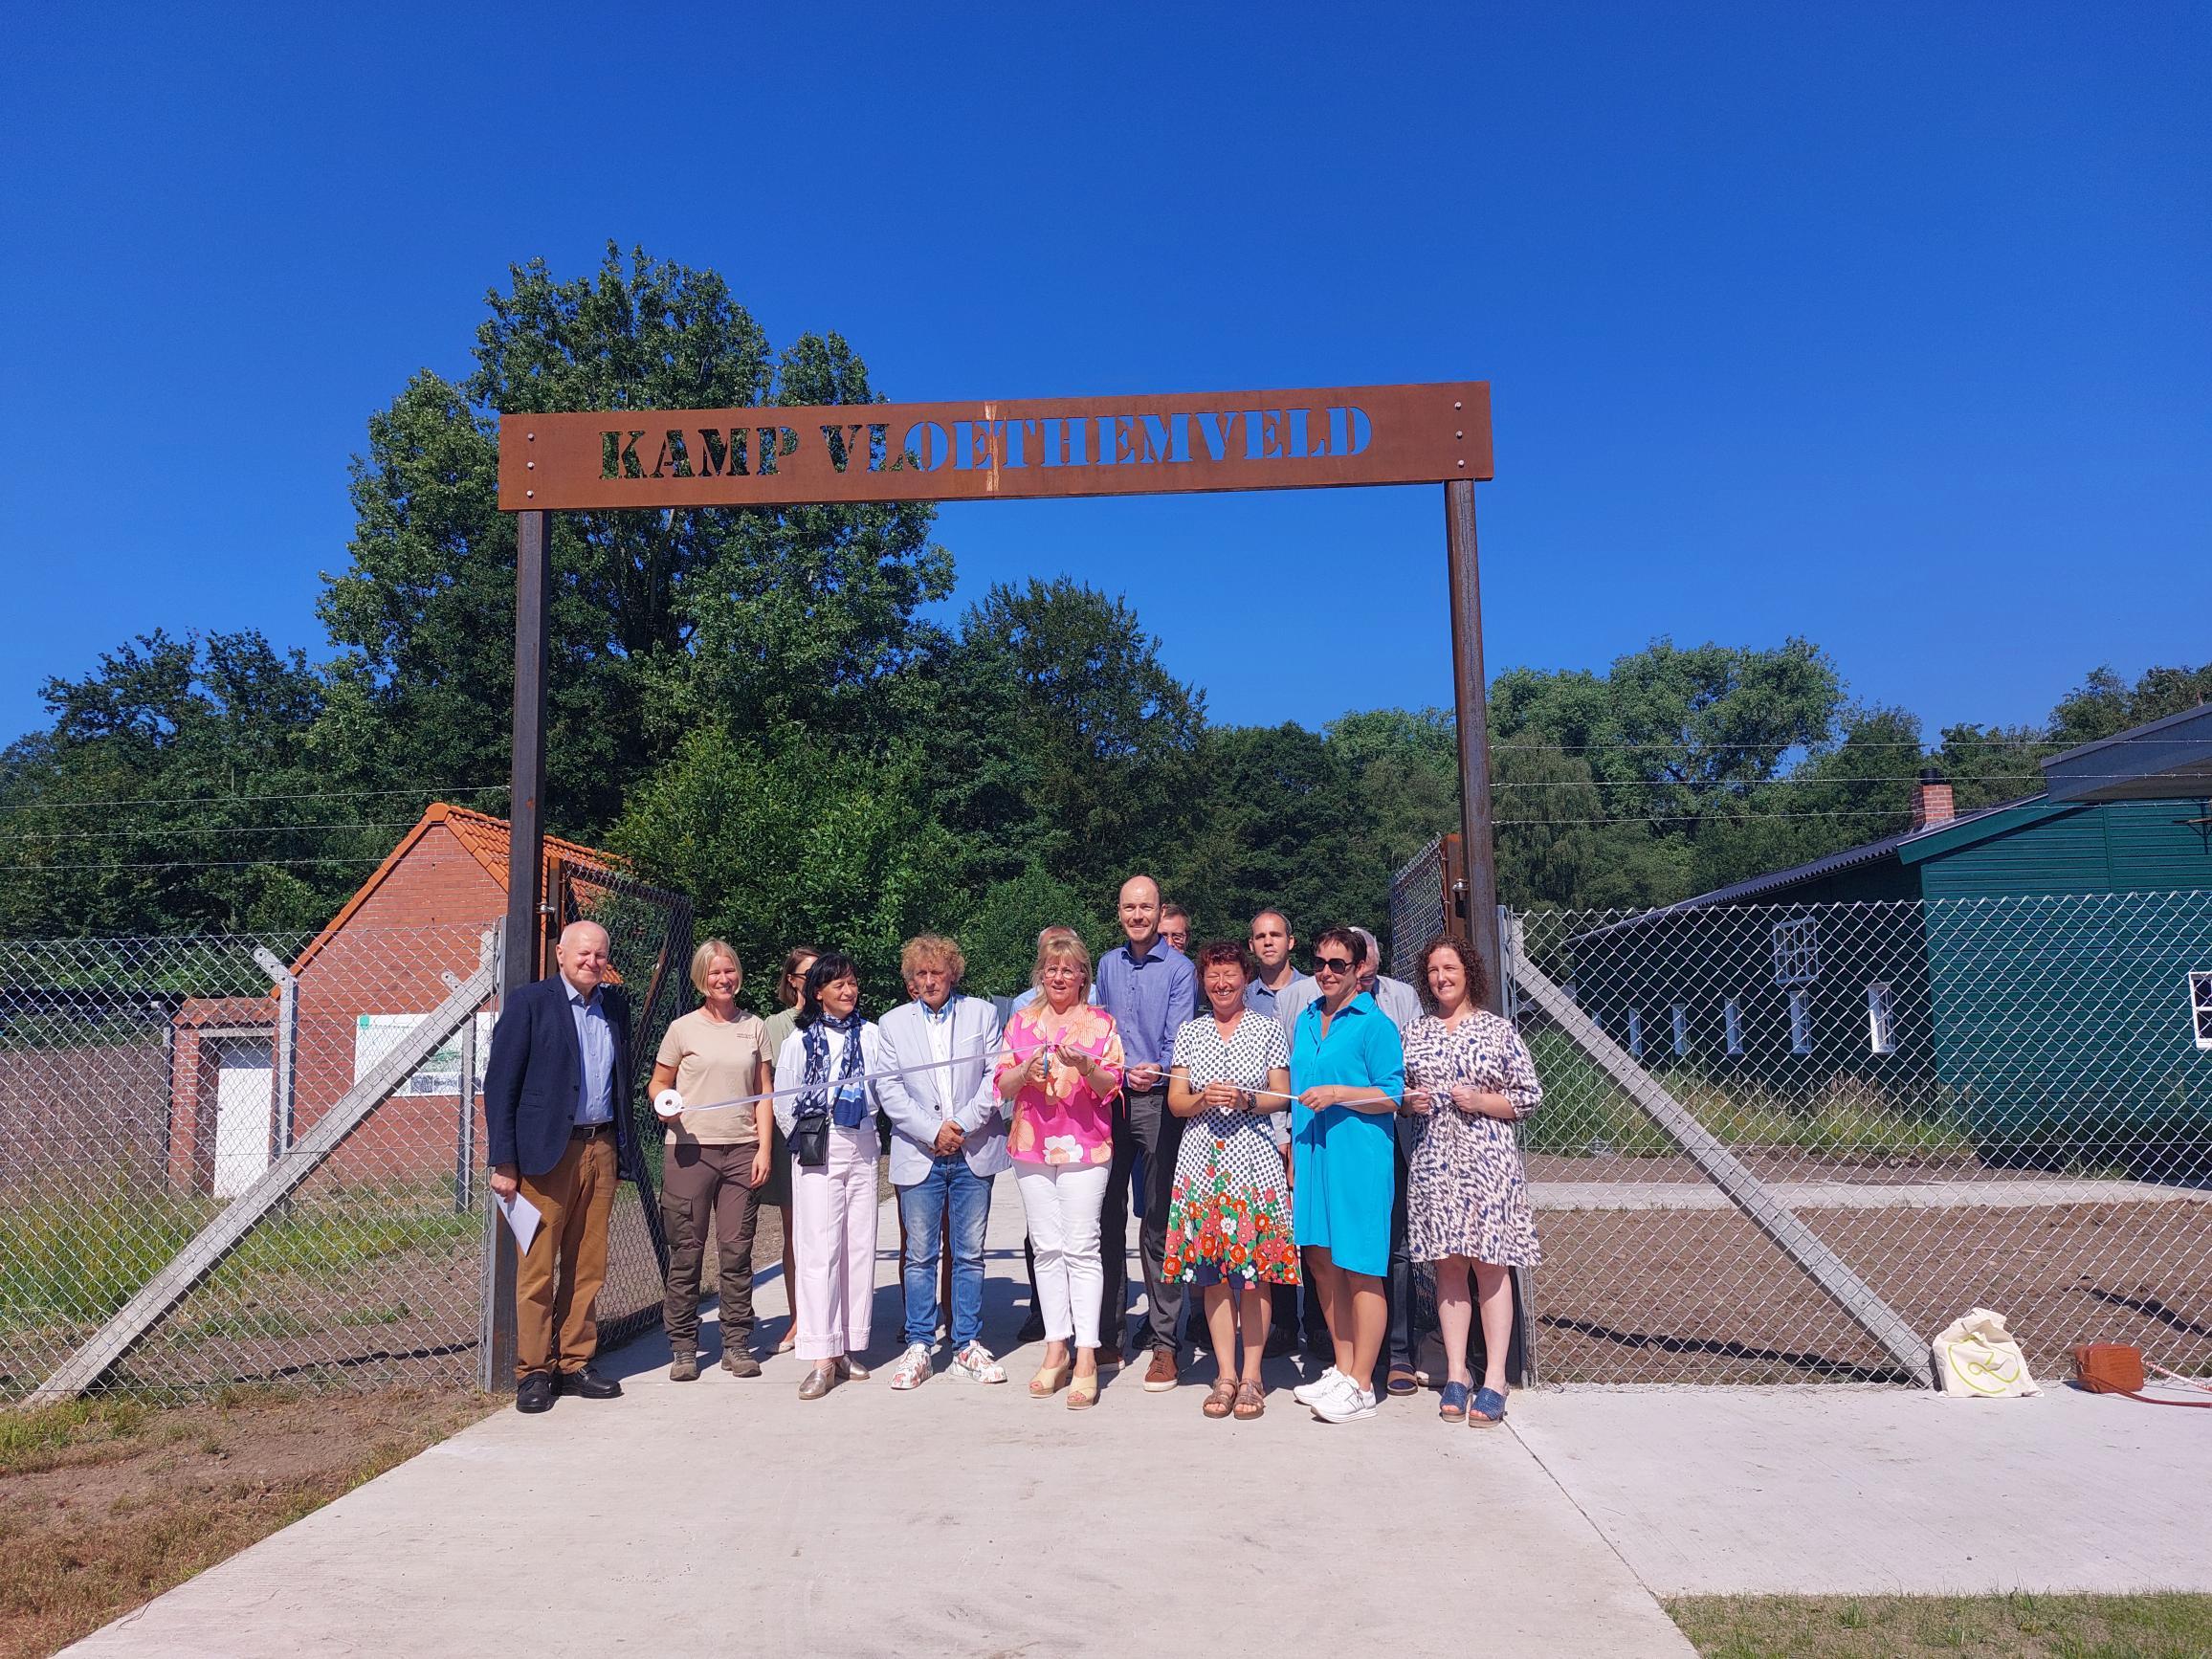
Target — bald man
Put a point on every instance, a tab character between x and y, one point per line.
555	1091
1149	988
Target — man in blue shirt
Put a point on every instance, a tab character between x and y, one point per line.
1149	988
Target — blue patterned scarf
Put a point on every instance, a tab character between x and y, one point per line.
848	1104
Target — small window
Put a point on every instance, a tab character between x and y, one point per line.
1797	953
1801	1024
1681	1029
1635	1034
2200	1007
1732	1021
1881	1034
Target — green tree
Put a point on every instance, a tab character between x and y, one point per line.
999	937
660	621
2104	703
797	839
175	791
1058	738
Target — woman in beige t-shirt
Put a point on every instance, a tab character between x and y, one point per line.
716	1160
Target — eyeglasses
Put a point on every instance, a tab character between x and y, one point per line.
1331	965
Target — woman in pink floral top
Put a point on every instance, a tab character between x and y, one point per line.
1061	1070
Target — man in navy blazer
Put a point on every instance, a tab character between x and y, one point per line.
556	1117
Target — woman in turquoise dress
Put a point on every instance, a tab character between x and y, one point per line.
1347	1069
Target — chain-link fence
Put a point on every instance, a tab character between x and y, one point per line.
158	1094
2003	1102
649	932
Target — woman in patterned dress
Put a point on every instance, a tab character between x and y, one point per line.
1228	1221
1466	1194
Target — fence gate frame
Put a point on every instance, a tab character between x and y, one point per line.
781	456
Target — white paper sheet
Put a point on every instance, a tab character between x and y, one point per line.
523	1219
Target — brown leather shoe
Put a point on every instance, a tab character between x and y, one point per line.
1159	1375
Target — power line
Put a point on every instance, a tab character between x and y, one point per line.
218	799
1503	783
198	829
1693	818
201	864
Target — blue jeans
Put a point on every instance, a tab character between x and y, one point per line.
950	1184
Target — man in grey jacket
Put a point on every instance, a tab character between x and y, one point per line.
948	1138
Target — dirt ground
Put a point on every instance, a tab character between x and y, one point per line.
105	1503
1701	1297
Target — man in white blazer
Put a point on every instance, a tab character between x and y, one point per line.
948	1138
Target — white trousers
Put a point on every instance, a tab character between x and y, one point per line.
1063	1201
834	1214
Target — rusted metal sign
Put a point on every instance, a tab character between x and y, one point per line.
953	452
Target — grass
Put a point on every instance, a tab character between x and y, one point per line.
72	1255
35	1440
1843	1116
2019	1625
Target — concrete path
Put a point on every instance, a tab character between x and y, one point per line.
1863	1490
723	1516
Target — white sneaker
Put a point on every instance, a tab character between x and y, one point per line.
1348	1405
1327	1383
975	1362
912	1369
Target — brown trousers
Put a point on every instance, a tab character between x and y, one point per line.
557	1281
699	1182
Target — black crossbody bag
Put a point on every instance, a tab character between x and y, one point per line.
811	1139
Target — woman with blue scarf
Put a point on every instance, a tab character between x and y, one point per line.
826	1107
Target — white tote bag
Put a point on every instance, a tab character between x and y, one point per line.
1977	1355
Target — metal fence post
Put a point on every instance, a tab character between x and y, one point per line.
465	1093
284	1055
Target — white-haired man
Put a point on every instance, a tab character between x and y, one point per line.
556	1123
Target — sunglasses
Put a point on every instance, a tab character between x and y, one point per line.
1331	965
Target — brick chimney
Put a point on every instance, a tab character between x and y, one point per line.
1931	800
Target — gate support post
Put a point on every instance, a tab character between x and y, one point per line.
526	887
1471	707
1471	713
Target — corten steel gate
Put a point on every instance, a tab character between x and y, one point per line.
986	450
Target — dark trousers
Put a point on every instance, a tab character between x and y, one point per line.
697	1183
1398	1287
1141	1122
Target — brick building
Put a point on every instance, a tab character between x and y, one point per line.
379	966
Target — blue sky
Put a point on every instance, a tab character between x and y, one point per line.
1881	324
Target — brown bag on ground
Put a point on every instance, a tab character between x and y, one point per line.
2109	1367
2117	1369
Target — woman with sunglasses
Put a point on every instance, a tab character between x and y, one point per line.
822	1088
1347	1069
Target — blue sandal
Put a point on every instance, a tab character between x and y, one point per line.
1489	1407
1452	1406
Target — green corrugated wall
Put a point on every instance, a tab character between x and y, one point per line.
2066	1026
